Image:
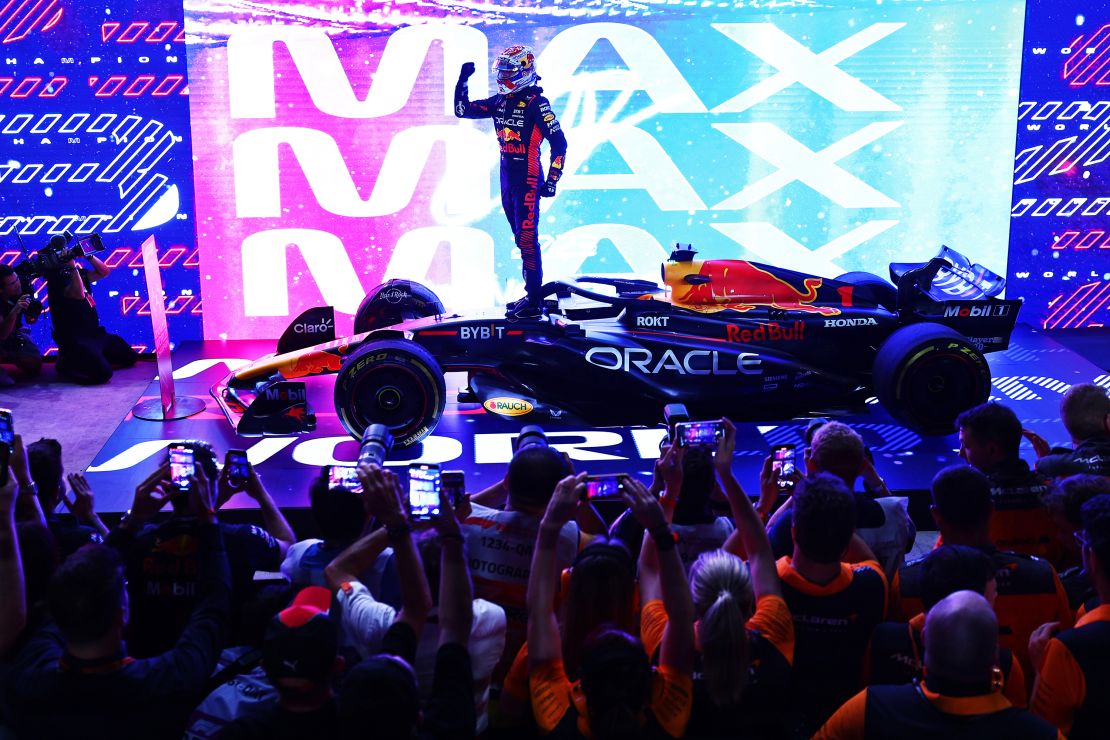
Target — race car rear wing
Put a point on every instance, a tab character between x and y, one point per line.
949	290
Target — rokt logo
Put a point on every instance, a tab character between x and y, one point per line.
652	321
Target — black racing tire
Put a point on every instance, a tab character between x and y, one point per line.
925	375
871	287
392	382
395	301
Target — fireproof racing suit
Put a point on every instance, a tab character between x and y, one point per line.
521	120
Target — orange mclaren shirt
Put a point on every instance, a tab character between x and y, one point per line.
897	656
1072	690
560	706
913	711
832	628
1029	594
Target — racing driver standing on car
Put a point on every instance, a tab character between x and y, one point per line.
522	118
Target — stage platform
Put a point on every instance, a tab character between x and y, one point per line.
1029	377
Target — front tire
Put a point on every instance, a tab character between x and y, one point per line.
393	382
926	375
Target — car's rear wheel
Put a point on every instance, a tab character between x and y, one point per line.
925	375
392	382
870	287
395	301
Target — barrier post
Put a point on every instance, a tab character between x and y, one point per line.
169	406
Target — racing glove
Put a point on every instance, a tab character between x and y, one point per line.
547	190
465	72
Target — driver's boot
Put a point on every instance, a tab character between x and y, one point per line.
524	308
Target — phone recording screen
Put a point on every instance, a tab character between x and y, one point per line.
238	466
608	486
782	462
182	466
424	484
700	433
7	428
344	476
454	485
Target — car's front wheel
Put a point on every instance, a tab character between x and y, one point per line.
392	382
926	375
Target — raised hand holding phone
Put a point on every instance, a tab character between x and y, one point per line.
564	502
424	492
382	494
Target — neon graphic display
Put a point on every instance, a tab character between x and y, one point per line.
826	139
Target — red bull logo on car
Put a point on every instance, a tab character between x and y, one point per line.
740	285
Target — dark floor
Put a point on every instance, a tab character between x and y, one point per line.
81	417
1092	344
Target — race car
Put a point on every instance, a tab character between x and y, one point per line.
724	337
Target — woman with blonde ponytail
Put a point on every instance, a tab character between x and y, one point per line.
744	634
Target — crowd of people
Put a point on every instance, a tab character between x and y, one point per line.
701	611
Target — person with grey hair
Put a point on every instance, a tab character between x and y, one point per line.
882	520
960	696
1085	411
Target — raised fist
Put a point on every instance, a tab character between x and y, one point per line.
466	71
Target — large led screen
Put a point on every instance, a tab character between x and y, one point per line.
826	138
94	137
1060	240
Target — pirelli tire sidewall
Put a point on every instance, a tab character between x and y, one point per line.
926	375
421	375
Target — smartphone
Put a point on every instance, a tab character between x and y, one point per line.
695	433
182	466
604	486
344	476
7	443
424	484
454	485
238	468
7	428
782	464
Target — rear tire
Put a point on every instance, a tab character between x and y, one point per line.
925	375
392	382
871	287
395	301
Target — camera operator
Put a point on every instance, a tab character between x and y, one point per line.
16	347
87	353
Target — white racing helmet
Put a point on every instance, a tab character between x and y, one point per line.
515	68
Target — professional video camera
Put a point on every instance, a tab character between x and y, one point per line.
57	253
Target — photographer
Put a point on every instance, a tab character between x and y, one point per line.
16	347
87	353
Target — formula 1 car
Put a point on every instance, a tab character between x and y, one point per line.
724	337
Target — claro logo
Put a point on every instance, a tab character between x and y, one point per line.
322	327
508	406
692	362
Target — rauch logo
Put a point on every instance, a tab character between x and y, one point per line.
508	406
